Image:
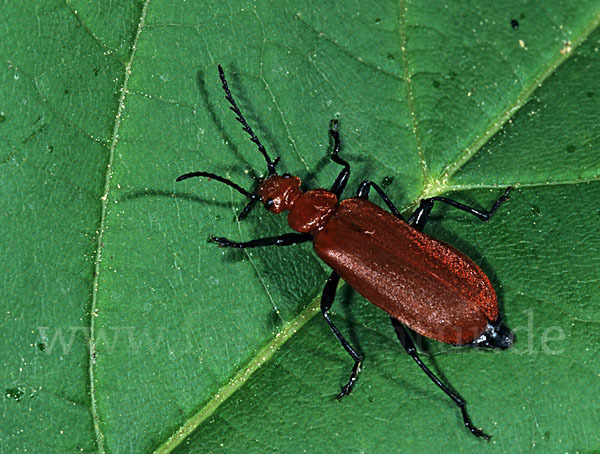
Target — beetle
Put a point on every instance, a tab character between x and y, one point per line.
422	283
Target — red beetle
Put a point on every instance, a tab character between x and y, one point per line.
423	283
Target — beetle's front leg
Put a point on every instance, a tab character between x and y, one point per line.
342	178
287	239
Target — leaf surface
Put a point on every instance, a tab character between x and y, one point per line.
125	330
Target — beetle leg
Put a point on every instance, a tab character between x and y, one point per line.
421	215
326	301
287	239
342	178
410	348
363	192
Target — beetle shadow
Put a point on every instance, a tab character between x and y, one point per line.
188	196
236	156
361	160
345	302
309	180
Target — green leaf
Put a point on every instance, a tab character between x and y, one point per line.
123	329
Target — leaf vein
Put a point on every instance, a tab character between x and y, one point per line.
99	247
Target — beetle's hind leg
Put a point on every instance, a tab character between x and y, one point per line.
410	348
326	301
421	215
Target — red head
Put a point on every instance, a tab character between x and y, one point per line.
279	192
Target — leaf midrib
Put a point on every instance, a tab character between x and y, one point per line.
440	185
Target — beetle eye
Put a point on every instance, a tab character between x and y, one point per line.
286	175
269	204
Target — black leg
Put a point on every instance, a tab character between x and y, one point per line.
410	348
363	192
287	239
326	301
342	178
421	215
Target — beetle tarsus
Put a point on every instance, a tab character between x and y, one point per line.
222	242
469	425
347	388
499	202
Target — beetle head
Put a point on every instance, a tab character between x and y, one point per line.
279	192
